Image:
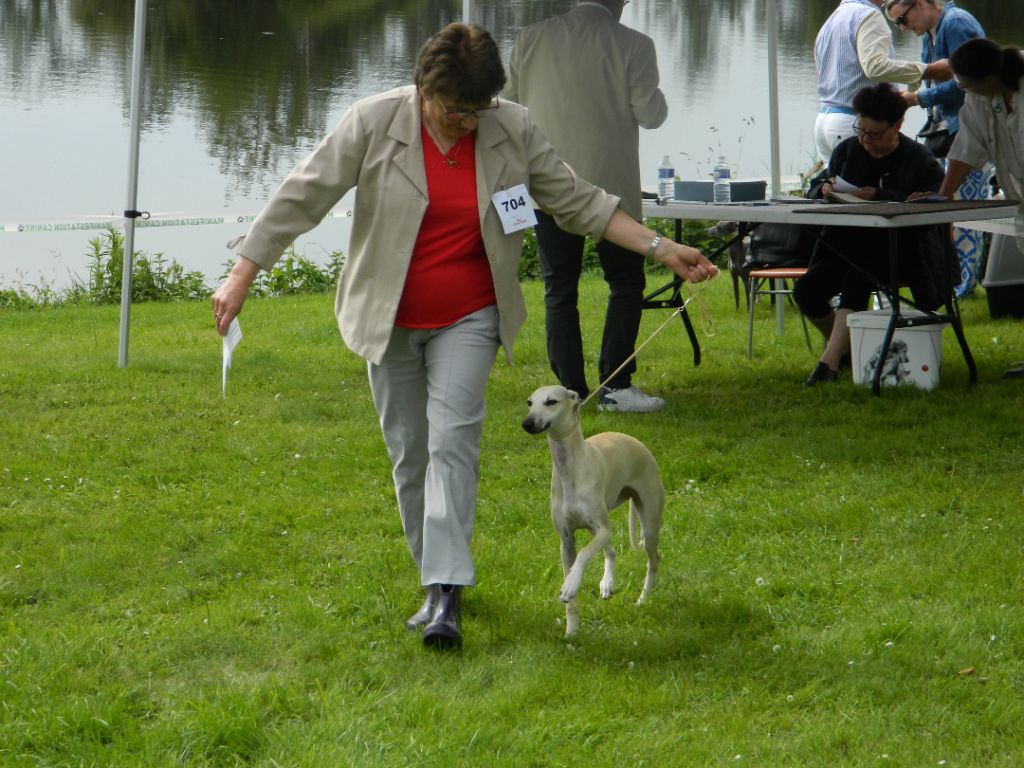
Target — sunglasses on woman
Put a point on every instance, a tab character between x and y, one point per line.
901	20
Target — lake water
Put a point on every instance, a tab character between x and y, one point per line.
237	93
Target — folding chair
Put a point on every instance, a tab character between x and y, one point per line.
778	281
778	255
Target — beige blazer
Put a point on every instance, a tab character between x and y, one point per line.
376	148
590	84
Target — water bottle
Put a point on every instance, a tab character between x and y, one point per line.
722	192
666	179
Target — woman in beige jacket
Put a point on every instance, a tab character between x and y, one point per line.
443	175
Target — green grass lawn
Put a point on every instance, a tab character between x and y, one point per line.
189	580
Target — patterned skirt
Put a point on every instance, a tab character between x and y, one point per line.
968	242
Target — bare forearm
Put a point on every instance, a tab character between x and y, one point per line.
688	263
956	172
938	70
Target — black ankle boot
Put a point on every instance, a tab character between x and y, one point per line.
821	373
423	616
445	628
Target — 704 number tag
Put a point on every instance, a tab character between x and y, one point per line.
514	209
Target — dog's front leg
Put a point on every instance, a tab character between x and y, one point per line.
572	610
571	585
608	580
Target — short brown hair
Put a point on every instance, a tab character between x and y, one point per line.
461	61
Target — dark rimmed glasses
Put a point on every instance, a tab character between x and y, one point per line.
458	115
873	135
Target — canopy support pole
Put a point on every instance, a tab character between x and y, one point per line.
133	179
773	93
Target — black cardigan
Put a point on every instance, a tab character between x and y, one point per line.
928	264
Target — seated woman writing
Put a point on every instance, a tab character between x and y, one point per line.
881	164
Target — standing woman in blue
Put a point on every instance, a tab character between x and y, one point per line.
943	28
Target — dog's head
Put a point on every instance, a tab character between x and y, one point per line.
554	408
900	351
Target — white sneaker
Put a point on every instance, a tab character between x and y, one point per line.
628	400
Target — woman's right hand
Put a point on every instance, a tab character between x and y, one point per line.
227	300
932	196
686	262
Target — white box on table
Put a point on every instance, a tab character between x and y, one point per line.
915	353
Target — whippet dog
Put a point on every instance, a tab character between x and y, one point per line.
589	478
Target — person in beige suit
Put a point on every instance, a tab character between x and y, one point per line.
429	290
590	84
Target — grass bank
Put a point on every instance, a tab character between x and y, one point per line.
186	580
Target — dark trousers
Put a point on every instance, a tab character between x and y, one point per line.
830	275
561	262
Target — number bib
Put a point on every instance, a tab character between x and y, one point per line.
513	206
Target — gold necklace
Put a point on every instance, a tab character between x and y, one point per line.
448	160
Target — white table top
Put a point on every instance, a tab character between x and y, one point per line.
1013	226
809	212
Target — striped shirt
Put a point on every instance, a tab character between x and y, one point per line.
854	49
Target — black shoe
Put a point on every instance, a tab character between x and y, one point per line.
423	616
1015	373
845	362
445	628
821	373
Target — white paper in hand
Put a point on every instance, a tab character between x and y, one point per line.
842	185
230	341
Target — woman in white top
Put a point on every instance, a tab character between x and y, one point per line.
992	118
991	122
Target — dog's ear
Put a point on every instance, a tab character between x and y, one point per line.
573	395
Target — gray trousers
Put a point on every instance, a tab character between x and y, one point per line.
429	393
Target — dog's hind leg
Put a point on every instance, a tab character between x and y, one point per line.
608	580
572	610
651	521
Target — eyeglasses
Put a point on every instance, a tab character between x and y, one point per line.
458	115
901	21
873	135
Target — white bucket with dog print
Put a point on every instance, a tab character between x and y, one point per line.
914	355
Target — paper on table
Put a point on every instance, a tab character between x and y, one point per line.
842	185
230	341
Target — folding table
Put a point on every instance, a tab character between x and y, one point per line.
888	216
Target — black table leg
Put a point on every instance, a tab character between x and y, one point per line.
675	299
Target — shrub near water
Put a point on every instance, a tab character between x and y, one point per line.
155	278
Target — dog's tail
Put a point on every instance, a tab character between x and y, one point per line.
634	526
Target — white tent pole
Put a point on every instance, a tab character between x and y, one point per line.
133	179
773	93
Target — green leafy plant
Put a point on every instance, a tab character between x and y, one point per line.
153	278
295	274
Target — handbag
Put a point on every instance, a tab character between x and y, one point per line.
936	136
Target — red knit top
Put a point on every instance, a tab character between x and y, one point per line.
449	276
